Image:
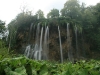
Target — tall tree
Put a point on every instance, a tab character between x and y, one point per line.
54	13
71	9
40	14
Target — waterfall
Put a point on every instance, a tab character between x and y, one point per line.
28	49
37	34
45	47
61	53
70	56
36	48
40	50
77	51
37	52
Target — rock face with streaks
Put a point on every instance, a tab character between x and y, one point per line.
42	43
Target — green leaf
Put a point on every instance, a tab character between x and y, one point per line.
44	70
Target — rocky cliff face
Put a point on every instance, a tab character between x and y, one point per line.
26	37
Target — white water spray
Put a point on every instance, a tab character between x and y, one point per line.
61	53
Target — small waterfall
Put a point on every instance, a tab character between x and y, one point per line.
61	53
36	48
70	56
40	50
35	52
37	34
28	49
45	47
48	41
77	51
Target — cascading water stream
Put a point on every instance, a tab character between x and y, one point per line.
28	49
40	50
36	53
37	34
36	48
77	51
61	53
45	47
48	41
70	56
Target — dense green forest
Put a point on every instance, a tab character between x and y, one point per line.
85	18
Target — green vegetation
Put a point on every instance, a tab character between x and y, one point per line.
54	13
87	20
2	26
4	53
3	49
25	66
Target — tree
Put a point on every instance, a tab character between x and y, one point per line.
54	13
39	14
21	23
97	13
2	26
95	32
71	9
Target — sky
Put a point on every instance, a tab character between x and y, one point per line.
10	8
